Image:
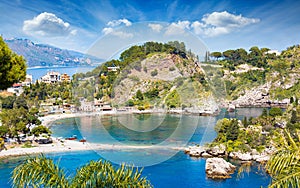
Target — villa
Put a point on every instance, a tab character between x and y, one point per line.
51	77
17	88
55	77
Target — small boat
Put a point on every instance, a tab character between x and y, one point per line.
82	140
74	137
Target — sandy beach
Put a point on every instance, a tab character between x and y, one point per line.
56	146
72	145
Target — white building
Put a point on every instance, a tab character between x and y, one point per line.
113	69
17	88
51	77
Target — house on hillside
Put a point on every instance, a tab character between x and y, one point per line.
65	77
51	77
113	69
17	88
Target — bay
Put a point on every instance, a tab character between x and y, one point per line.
177	170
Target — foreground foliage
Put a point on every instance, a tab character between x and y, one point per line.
12	66
42	172
284	166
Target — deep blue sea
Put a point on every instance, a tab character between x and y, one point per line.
162	167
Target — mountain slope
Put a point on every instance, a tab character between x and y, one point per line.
46	55
152	75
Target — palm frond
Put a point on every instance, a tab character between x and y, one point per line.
103	174
39	171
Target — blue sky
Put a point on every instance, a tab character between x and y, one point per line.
220	25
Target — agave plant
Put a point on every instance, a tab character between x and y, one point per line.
42	172
284	165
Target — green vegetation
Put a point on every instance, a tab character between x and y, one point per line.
13	66
154	72
173	100
42	172
257	133
284	165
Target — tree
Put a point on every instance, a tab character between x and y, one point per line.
42	172
139	95
216	55
264	113
8	102
292	100
294	117
284	165
12	66
228	54
15	120
154	72
275	112
38	130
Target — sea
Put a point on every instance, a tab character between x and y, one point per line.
38	72
148	142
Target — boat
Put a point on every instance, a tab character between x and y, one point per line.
74	137
82	140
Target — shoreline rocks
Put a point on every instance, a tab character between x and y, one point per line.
220	151
218	168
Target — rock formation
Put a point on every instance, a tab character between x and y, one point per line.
218	168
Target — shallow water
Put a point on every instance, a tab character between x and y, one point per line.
163	167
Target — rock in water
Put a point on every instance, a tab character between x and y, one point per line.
218	168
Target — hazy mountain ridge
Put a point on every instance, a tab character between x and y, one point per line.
47	55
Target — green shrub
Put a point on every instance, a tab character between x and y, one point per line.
275	112
154	72
171	68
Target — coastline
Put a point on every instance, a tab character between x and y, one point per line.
75	145
59	145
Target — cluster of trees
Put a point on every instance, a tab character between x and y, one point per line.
20	120
12	66
17	116
42	91
257	57
246	135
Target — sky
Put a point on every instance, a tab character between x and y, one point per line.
109	27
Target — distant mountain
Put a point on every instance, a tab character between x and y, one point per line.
46	55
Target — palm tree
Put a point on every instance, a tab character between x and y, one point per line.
42	172
284	165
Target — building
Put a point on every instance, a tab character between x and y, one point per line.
113	69
27	81
17	88
51	77
65	77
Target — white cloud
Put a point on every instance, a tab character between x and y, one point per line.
110	30
225	19
47	24
218	23
121	34
107	30
155	27
177	28
115	23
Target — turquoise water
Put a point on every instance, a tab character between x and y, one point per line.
163	169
